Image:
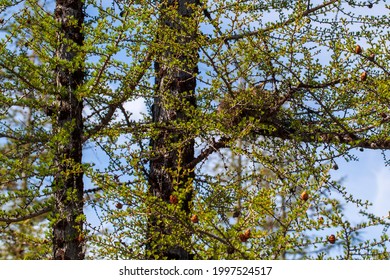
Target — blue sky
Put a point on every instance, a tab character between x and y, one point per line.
368	178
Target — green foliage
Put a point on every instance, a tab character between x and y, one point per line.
279	97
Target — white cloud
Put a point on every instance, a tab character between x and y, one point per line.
136	108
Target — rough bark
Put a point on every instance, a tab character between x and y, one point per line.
173	149
68	181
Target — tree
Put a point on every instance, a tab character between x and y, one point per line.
286	88
61	57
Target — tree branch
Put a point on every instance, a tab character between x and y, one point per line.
23	218
214	147
280	24
117	103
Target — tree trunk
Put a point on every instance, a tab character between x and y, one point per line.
173	150
68	182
